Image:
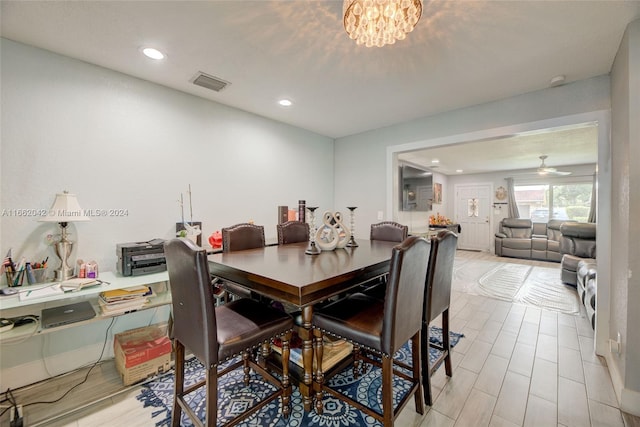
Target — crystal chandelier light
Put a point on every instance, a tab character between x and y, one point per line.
380	22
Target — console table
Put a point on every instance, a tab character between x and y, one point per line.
12	306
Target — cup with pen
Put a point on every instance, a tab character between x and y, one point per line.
25	272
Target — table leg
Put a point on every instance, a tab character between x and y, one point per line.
306	387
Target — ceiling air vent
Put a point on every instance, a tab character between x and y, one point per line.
209	82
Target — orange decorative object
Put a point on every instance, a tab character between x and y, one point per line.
215	240
438	219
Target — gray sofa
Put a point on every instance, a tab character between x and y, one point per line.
522	238
578	243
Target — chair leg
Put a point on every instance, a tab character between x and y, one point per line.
286	385
211	409
357	361
446	345
176	414
319	350
387	391
245	367
424	359
415	355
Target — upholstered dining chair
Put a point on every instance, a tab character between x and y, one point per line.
389	231
292	232
218	334
240	237
437	299
381	327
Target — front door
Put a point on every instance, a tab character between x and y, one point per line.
473	213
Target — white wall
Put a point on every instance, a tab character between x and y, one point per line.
120	142
625	259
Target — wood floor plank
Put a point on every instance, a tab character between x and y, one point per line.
605	415
492	375
570	364
512	401
522	359
477	409
573	409
540	413
544	380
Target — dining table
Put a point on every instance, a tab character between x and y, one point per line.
287	274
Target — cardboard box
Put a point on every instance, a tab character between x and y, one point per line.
142	353
137	346
144	370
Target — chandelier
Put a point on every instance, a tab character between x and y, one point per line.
380	22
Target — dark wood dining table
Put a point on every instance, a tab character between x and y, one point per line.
287	274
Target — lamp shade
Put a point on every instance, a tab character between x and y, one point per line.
65	208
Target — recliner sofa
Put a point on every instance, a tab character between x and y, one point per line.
522	238
578	243
514	238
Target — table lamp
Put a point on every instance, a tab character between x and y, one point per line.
65	209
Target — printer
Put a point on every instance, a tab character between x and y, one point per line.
139	258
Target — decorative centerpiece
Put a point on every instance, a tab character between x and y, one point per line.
332	233
438	219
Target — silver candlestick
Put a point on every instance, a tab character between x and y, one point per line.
352	241
312	249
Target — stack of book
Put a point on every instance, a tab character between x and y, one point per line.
120	301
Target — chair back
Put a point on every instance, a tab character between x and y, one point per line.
292	232
194	318
516	228
439	274
578	239
242	236
389	231
402	316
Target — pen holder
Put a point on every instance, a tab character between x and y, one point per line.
10	277
39	276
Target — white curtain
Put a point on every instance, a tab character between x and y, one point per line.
513	207
592	210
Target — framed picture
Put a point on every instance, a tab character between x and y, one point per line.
437	193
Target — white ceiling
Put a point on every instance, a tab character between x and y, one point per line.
461	53
569	146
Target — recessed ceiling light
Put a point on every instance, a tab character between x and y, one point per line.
435	161
152	53
285	102
459	170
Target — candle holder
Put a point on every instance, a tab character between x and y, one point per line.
312	249
352	241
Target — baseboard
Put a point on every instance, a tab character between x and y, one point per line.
628	400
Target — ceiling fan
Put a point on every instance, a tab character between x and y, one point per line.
543	169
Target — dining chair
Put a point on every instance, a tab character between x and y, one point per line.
240	237
382	327
219	334
292	232
389	231
436	302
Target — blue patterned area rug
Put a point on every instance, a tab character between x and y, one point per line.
234	397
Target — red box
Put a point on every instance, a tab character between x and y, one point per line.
140	345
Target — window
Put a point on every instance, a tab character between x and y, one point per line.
541	202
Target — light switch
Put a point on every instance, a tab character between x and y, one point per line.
380	215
